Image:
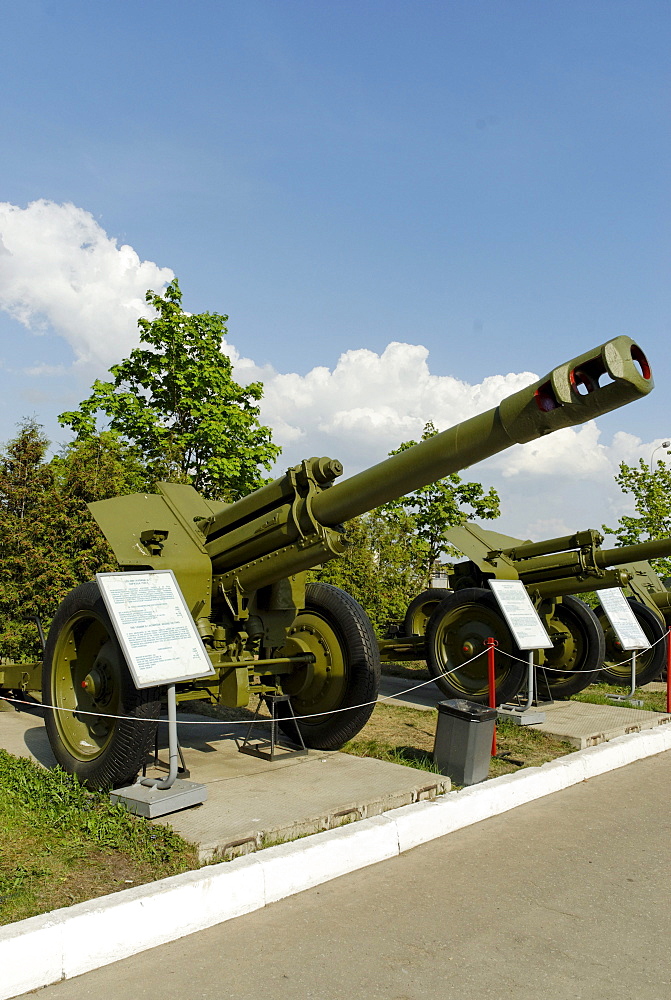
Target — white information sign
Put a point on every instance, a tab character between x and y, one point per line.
623	619
520	614
154	627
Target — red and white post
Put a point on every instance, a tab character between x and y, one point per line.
491	673
668	671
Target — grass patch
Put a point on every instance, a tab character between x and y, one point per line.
404	735
397	734
595	694
406	755
528	746
61	844
411	670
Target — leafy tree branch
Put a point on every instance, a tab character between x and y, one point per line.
175	402
651	490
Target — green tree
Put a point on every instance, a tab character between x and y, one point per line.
651	490
49	542
26	491
98	467
435	508
174	400
383	567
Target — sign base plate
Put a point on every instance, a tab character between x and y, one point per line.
520	716
153	802
623	697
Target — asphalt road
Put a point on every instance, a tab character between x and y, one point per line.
567	897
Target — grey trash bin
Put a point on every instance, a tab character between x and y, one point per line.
463	746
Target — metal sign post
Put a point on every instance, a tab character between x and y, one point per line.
162	646
628	631
529	633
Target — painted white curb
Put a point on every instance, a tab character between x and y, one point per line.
74	940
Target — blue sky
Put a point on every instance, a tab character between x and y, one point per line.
486	179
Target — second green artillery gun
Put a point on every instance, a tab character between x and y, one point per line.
553	571
242	570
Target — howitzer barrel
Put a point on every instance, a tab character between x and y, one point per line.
585	561
528	550
592	384
563	586
655	548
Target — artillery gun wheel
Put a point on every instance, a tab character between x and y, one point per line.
421	608
84	669
346	672
578	647
650	663
456	631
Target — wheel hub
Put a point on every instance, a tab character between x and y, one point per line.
316	686
93	684
85	682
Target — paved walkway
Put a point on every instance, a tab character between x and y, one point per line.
567	897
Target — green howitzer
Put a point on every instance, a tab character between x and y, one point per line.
242	567
650	600
553	572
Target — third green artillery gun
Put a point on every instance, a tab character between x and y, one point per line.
553	572
242	570
651	603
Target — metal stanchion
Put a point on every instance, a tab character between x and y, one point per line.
491	673
153	797
629	697
173	751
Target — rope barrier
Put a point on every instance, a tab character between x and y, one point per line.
652	645
315	715
240	722
539	666
561	670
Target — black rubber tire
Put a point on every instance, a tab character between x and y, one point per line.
337	618
650	663
456	631
421	608
115	752
585	651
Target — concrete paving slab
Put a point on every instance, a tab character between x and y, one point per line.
251	802
584	725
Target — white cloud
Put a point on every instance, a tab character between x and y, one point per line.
577	453
46	370
369	403
60	269
574	451
566	482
